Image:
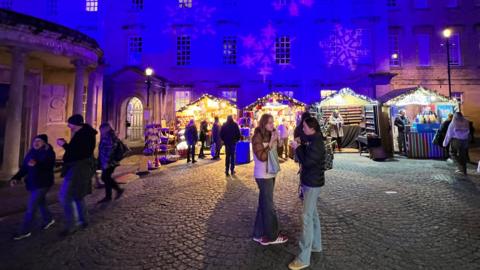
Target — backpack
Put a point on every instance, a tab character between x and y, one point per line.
120	151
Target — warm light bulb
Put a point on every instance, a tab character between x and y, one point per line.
395	56
447	33
148	71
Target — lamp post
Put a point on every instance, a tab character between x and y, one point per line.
447	33
148	82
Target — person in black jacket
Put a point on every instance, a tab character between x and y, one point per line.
401	121
38	167
78	170
298	133
203	137
230	135
311	156
191	136
216	140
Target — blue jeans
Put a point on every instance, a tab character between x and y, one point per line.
311	238
37	201
266	222
230	157
69	203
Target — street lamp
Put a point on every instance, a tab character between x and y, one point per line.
447	33
148	73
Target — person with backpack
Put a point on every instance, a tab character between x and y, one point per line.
38	167
311	156
78	170
111	151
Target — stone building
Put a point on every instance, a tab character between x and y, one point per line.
47	73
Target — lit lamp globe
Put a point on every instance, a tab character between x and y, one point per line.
447	33
148	71
395	56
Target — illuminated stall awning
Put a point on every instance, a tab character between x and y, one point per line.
208	106
275	100
346	97
415	96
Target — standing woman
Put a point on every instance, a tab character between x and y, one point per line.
336	128
266	230
106	156
311	156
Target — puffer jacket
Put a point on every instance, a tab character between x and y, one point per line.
311	156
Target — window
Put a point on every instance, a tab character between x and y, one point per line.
421	3
455	50
6	4
52	7
282	50
394	48
423	49
326	93
391	3
452	3
137	5
184	3
282	3
91	5
183	50
135	45
230	95
230	50
182	98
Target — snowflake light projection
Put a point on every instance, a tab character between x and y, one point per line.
344	47
260	52
292	5
193	21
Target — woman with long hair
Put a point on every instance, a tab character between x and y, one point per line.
265	138
311	156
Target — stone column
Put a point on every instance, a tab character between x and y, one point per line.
156	107
13	126
91	95
80	67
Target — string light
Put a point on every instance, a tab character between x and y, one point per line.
346	92
219	100
420	95
275	96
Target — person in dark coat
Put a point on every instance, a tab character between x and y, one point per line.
298	134
78	170
203	137
311	156
216	138
401	121
191	135
109	142
230	135
38	167
442	131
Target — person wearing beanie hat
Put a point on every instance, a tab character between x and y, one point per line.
78	170
38	170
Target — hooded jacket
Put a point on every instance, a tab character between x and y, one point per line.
81	145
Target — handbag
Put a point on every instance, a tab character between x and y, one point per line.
273	165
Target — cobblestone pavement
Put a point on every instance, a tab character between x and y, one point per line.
403	214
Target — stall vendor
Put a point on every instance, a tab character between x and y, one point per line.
401	121
336	128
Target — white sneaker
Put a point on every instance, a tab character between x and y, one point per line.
280	240
48	225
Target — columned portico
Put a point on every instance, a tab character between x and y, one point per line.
80	68
13	127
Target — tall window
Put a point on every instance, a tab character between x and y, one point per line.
391	3
137	5
6	4
423	49
230	50
282	50
421	3
452	3
52	7
394	48
184	3
455	50
91	5
183	50
135	47
230	95
182	98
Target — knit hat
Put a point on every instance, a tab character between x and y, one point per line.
42	137
76	119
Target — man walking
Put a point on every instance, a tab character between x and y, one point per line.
78	170
191	135
230	134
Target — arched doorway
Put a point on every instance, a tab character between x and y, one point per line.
134	119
